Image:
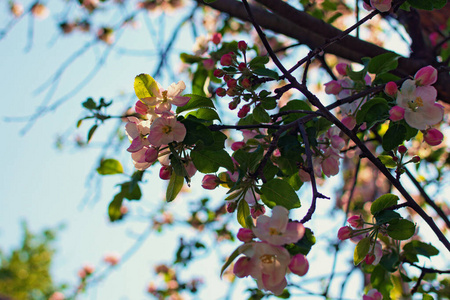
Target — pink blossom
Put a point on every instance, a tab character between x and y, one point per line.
341	68
57	296
345	233
40	11
144	158
299	265
391	88
243	267
426	76
333	136
304	176
245	235
89	269
396	113
433	137
137	130
381	5
349	122
333	87
210	182
373	294
267	264
330	163
17	9
190	168
356	221
421	110
165	130
237	145
277	230
378	253
163	99
112	259
257	210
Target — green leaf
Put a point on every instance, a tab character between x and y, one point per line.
394	136
386	216
91	132
390	261
207	161
279	192
427	4
270	170
196	131
387	161
196	101
110	166
89	104
381	280
295	181
189	58
383	63
361	250
174	187
373	111
294	105
243	211
247	160
239	250
304	245
114	208
205	114
401	229
131	191
199	81
258	62
427	297
260	115
383	202
266	73
145	86
414	248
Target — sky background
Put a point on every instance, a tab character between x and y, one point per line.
47	186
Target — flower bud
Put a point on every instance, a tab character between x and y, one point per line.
415	159
218	73
209	63
426	76
232	105
165	172
391	88
226	60
299	265
111	258
242	267
356	221
57	296
345	233
232	83
226	77
242	46
433	137
237	145
216	38
257	211
369	259
396	113
244	111
341	68
333	87
141	108
402	149
242	66
151	155
231	207
245	235
221	92
210	182
246	84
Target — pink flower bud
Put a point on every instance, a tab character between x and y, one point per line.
17	9
232	92
333	87
257	211
356	221
165	172
402	149
112	259
232	105
151	155
221	92
237	145
232	83
242	46
245	235
209	63
341	68
433	137
396	113
210	182
349	122
415	159
231	206
434	36
391	88
123	210
190	168
242	267
226	60
369	259
345	233
426	76
244	111
218	73
242	66
299	265
226	77
246	84
216	38
373	294
57	296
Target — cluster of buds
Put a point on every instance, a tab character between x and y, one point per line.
69	27
268	260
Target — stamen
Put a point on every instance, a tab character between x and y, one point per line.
267	259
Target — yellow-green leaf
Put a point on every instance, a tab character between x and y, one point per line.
145	86
110	167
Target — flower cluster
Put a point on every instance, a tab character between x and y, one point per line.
267	260
150	136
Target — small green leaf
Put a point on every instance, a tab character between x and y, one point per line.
199	81
207	114
383	63
390	261
387	161
427	297
383	202
279	192
258	62
91	132
266	73
414	248
260	115
196	101
89	104
189	58
394	136
243	211
145	86
174	187
386	216
79	123
110	166
361	250
114	208
207	161
401	229
131	191
373	111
